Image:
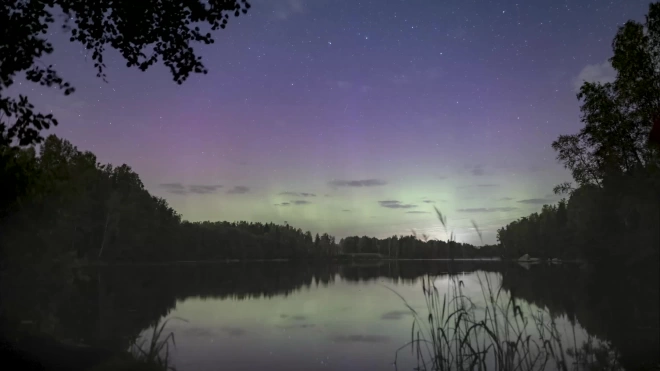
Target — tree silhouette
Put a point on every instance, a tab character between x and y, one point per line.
72	208
615	201
144	32
618	116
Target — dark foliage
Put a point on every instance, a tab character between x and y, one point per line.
66	206
144	32
612	211
411	247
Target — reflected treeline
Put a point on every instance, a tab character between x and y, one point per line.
608	302
110	305
409	271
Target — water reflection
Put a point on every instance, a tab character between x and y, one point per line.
333	316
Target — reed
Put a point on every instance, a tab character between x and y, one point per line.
458	335
145	353
156	349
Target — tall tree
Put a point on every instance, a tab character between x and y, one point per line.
618	116
612	211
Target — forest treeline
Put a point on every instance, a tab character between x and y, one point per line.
611	210
66	205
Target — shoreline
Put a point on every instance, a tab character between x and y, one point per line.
335	260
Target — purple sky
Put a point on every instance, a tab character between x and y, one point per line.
316	111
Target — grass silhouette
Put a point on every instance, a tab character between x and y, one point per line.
151	353
454	336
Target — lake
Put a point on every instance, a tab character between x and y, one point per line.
315	316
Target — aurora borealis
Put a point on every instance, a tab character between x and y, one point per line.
353	117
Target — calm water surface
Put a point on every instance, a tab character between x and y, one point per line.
314	316
283	316
340	325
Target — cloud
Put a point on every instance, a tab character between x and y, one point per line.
535	168
391	204
294	202
180	189
360	339
478	186
487	209
298	194
395	314
417	212
506	199
297	325
203	189
176	188
357	183
283	9
601	73
234	331
239	190
478	170
536	201
197	331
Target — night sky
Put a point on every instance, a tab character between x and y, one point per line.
353	117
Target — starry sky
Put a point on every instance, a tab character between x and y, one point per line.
353	117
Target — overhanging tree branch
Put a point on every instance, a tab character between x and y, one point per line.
167	29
